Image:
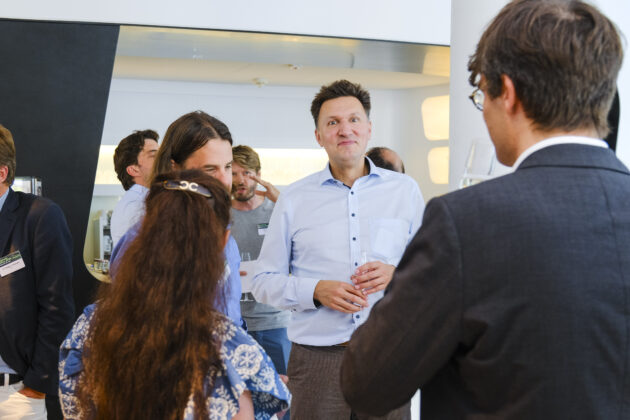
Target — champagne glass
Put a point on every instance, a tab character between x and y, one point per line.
246	296
480	164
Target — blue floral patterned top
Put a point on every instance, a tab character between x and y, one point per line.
246	366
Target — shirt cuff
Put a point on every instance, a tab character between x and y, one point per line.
305	292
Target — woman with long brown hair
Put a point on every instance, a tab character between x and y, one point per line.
154	347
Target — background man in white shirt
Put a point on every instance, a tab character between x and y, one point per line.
333	242
133	161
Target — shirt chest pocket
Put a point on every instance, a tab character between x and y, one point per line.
388	239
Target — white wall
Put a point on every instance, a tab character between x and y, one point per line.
468	22
422	21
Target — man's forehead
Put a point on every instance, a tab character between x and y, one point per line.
342	105
237	166
215	153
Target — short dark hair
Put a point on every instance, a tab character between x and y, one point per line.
376	156
127	152
563	57
7	154
339	89
186	135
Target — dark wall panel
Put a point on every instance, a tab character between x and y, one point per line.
54	86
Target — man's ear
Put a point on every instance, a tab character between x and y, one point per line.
133	171
317	138
508	94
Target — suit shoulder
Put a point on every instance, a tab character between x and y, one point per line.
36	209
491	194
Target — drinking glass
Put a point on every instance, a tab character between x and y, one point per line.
480	164
246	296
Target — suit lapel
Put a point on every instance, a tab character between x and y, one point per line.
7	219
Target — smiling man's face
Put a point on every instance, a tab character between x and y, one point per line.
343	130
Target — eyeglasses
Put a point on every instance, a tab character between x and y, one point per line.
187	186
477	98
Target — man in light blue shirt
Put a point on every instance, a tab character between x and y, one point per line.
334	240
133	160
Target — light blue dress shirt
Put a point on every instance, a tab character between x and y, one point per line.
128	211
318	231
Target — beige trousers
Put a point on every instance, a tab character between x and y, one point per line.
15	406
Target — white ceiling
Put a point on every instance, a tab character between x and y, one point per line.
286	60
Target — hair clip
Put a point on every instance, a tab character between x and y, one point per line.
187	186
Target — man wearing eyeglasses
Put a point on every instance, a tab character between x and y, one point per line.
512	301
333	242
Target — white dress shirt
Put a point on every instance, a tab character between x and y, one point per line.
128	211
318	231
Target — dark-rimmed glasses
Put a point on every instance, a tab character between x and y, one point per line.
477	97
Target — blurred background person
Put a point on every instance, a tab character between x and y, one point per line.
133	160
152	347
386	158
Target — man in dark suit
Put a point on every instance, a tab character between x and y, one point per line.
36	305
513	300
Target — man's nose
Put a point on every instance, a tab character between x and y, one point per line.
225	177
345	128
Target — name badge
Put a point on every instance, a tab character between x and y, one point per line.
11	263
262	228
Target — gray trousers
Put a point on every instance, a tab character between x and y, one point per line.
314	382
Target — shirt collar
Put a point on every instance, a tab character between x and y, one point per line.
4	198
139	188
327	177
552	141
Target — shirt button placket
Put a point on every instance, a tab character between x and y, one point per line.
354	232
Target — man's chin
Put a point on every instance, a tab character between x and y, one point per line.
240	197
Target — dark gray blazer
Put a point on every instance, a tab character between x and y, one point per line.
512	301
36	304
